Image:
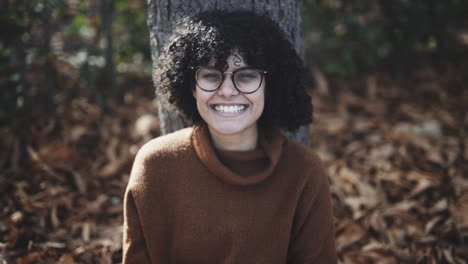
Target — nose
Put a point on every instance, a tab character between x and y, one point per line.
227	87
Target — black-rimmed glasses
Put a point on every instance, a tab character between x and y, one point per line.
246	79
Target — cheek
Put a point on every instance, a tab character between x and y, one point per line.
262	105
194	92
201	99
261	97
197	99
258	103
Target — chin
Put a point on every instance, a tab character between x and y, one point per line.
228	130
231	129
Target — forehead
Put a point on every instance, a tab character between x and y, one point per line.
234	60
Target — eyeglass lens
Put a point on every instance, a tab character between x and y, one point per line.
245	80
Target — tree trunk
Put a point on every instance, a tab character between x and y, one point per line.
164	14
107	15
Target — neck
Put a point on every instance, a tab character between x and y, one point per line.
237	142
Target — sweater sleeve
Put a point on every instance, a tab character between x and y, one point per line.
313	236
134	246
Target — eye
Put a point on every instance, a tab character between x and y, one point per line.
209	75
247	76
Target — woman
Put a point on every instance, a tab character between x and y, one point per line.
230	189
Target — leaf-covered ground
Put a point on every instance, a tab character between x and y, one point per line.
397	158
396	151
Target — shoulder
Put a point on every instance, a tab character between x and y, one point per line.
304	155
159	156
171	144
314	184
307	161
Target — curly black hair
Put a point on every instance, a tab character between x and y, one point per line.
260	42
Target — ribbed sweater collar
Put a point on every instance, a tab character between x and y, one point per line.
271	144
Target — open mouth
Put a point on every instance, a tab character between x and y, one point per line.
229	109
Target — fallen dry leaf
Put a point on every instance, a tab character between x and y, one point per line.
397	162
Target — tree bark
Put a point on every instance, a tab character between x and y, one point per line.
107	15
164	14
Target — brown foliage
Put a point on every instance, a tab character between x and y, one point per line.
397	158
396	152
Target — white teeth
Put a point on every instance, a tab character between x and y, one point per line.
231	109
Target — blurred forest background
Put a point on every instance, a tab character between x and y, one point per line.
391	125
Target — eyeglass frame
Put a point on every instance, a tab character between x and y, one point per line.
262	74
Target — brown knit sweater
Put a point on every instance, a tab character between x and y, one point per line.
184	205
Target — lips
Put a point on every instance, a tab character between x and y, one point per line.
229	108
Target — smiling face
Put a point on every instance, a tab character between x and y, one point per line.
228	112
